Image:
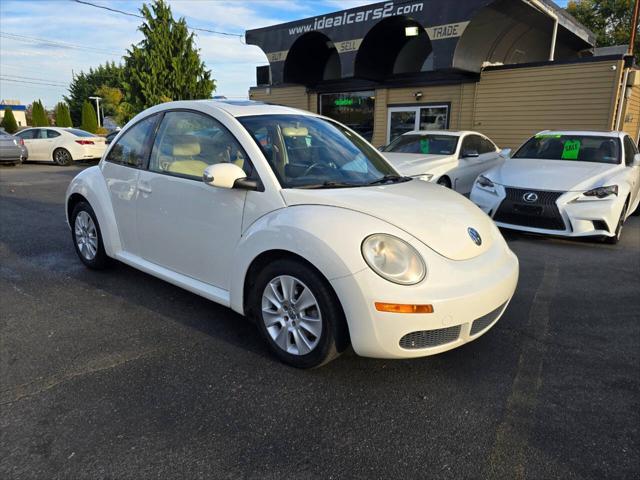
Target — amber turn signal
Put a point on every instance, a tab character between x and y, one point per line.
400	308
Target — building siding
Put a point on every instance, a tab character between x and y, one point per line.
513	104
631	114
294	96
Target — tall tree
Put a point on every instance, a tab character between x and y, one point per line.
9	121
85	85
610	20
89	119
165	65
39	115
63	117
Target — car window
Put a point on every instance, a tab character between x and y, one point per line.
630	151
51	133
132	148
425	144
576	148
80	133
188	142
486	146
470	143
28	134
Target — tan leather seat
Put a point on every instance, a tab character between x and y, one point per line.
183	162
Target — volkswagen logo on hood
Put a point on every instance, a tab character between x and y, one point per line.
475	236
530	197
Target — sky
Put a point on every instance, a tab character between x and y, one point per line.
31	68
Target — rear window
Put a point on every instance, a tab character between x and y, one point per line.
578	148
80	133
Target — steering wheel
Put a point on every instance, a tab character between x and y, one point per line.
311	167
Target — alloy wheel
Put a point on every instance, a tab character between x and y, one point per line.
86	235
62	157
291	314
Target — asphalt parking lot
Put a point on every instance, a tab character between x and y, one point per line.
116	374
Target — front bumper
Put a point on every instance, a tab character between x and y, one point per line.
584	218
461	292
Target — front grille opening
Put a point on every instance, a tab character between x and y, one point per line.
543	213
483	322
430	338
600	225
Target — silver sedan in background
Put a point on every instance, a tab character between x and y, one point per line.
12	149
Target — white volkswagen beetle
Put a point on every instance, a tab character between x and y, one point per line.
450	158
296	221
573	184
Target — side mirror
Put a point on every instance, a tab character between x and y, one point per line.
636	160
505	153
470	154
227	175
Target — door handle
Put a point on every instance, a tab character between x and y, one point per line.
144	189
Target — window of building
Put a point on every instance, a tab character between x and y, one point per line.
419	117
353	109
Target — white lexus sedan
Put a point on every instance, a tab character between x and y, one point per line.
449	158
62	145
573	184
294	220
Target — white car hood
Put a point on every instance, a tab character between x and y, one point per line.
415	163
438	217
559	175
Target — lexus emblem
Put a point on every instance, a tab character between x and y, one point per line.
530	197
475	236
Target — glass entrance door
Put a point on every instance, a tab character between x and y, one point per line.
423	117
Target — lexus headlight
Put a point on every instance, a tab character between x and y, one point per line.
602	192
425	177
485	182
393	259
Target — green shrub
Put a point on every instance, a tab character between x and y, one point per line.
9	121
89	118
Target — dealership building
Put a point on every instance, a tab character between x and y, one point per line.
506	68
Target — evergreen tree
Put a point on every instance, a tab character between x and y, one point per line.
165	65
85	85
63	119
39	115
9	121
89	118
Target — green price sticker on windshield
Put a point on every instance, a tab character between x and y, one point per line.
571	150
424	145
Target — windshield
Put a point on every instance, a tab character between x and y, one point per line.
579	148
424	144
311	152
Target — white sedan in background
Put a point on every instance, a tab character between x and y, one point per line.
61	145
296	221
449	158
572	184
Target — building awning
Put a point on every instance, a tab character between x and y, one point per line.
382	40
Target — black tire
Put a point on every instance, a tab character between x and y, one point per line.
618	233
333	338
62	157
445	182
100	260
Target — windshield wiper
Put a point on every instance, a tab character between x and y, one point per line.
389	179
331	184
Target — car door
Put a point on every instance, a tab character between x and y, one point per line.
120	169
50	141
33	141
630	151
184	224
470	163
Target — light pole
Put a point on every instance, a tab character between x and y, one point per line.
97	99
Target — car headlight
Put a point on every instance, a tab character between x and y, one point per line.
393	259
602	192
425	177
484	182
